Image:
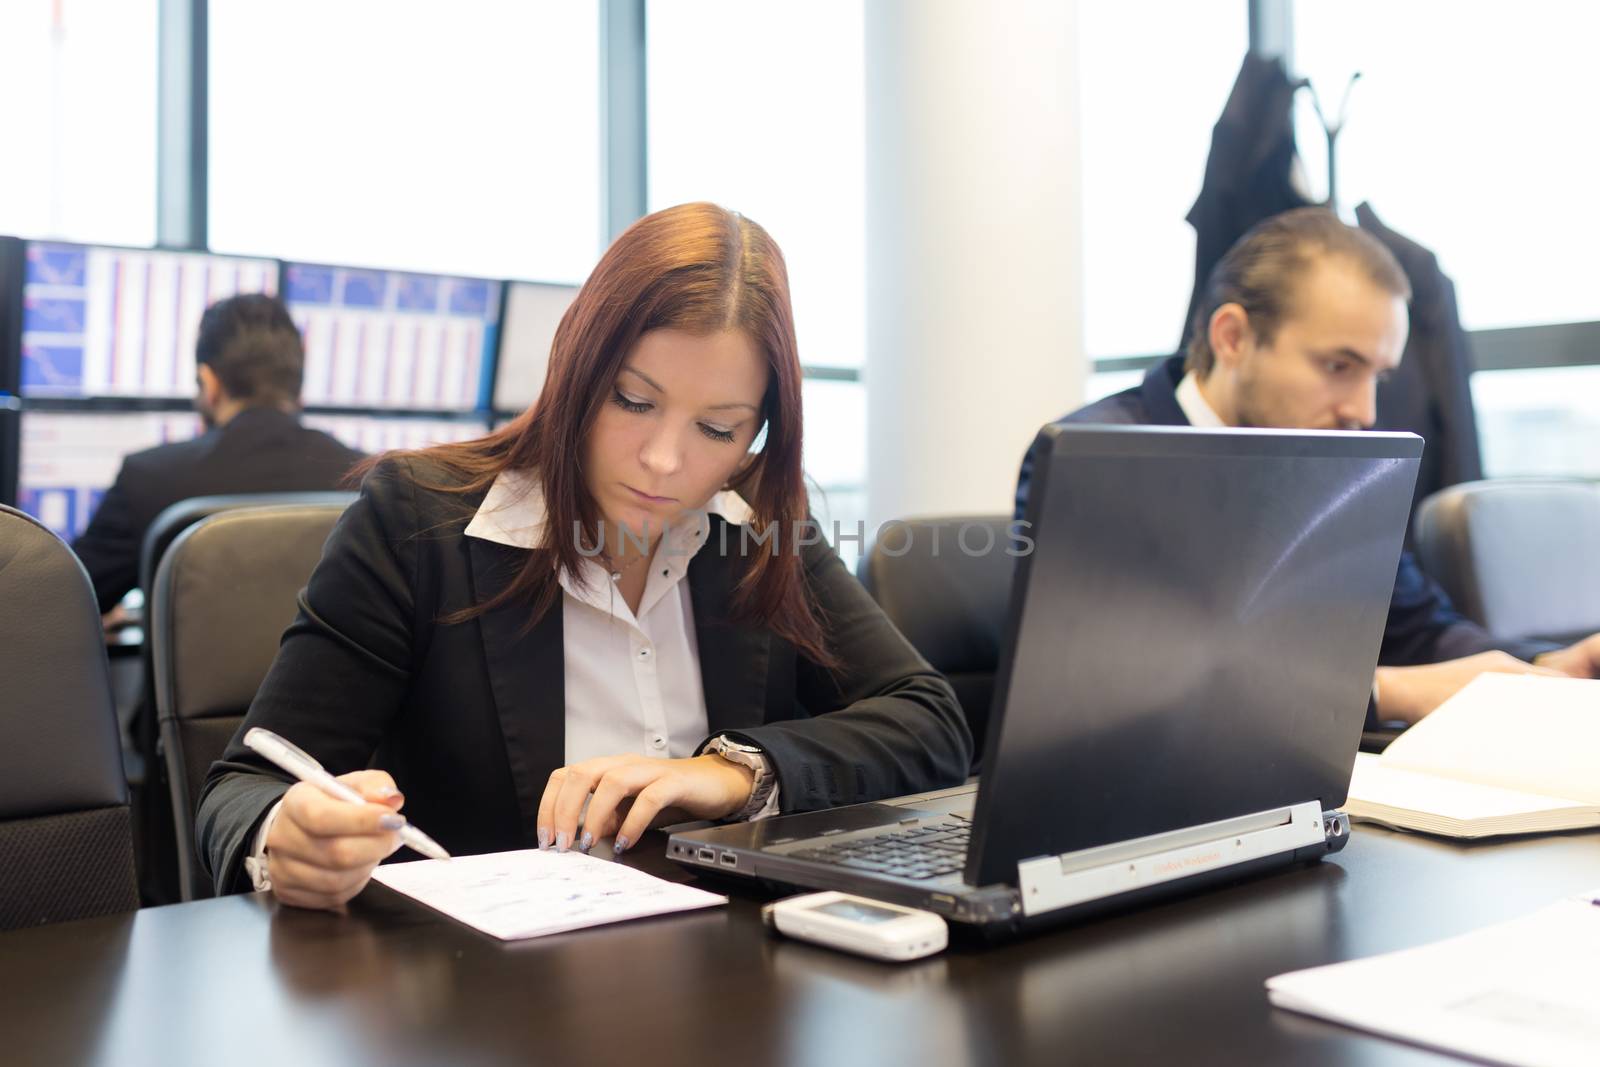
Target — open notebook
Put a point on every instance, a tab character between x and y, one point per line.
1508	754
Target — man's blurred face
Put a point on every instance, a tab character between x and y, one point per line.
1320	371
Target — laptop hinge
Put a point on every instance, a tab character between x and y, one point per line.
1051	882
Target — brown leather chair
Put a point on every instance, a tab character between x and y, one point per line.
223	594
66	837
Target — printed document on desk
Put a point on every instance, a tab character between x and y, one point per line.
1519	992
515	895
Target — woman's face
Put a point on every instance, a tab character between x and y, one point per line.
680	417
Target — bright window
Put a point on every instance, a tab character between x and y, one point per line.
761	108
1543	421
1153	77
1468	132
78	78
448	138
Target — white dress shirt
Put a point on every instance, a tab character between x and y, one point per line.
632	680
1195	407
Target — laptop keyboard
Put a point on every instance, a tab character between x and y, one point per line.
920	852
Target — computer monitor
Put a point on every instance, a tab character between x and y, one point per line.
389	339
69	459
533	311
373	434
99	321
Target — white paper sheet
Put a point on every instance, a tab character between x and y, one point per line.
1519	992
514	895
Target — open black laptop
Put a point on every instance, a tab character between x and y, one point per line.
1180	694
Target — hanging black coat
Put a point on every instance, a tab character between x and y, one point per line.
1430	394
1248	173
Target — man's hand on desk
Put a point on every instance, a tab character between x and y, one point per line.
1581	660
1409	693
321	851
702	787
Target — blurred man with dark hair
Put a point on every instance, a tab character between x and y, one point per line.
249	365
1298	322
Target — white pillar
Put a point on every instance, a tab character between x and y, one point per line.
974	251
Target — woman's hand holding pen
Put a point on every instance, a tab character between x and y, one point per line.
702	787
321	851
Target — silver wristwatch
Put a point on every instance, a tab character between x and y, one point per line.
746	756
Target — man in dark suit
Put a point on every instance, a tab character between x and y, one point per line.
1301	319
250	362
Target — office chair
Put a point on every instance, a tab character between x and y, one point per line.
1517	556
223	594
948	596
155	833
185	513
66	837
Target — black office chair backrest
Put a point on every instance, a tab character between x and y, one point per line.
159	849
1517	556
173	520
222	597
945	583
66	839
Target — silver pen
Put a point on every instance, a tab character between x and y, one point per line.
300	764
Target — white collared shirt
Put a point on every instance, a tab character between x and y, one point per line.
1194	405
632	681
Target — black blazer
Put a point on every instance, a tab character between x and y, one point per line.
470	717
1422	627
260	450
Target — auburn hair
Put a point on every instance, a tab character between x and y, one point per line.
702	269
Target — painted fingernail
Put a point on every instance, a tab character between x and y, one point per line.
544	837
563	839
586	841
392	822
384	792
620	845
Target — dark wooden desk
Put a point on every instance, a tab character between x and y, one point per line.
238	980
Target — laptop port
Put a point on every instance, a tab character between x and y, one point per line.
706	855
729	859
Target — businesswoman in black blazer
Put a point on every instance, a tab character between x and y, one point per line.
615	601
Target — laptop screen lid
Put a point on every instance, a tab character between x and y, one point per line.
1193	634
